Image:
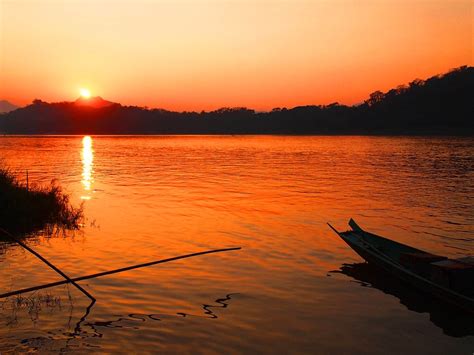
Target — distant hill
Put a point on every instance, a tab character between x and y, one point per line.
440	105
6	106
95	102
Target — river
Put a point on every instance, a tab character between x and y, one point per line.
294	287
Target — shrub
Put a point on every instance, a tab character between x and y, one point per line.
25	210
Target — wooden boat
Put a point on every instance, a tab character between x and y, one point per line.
451	280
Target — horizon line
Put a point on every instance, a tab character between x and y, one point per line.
146	107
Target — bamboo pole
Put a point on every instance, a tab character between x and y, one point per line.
104	273
69	280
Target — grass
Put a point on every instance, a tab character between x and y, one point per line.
25	210
33	305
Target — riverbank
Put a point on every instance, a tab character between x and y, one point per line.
26	209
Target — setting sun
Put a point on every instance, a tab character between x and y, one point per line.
85	93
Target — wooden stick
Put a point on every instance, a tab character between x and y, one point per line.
47	263
100	274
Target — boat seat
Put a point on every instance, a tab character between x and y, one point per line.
456	274
466	260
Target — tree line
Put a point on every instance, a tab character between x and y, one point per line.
441	104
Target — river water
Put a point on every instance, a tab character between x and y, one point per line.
295	287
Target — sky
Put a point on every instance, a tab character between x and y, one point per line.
203	55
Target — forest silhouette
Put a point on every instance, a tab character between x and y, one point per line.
441	105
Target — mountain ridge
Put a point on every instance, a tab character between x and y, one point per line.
94	101
6	106
440	105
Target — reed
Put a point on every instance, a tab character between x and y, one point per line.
33	305
26	209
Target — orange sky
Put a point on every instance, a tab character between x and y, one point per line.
201	54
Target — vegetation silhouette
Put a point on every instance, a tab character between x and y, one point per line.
441	105
25	209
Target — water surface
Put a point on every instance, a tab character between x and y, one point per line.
148	198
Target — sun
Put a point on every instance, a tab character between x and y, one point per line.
85	93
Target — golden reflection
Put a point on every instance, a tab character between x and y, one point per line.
87	156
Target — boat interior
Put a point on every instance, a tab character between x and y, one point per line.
456	274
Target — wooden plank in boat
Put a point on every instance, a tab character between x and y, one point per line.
467	260
454	274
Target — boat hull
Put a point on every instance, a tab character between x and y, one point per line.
355	239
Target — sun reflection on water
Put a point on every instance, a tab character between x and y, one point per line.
87	155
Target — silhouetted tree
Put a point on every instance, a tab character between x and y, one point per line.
375	97
441	104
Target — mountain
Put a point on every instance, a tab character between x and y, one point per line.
95	102
440	105
6	106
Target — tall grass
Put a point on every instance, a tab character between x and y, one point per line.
26	209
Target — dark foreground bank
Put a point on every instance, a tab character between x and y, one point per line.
25	209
